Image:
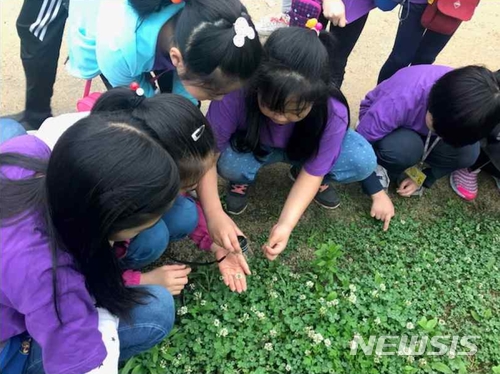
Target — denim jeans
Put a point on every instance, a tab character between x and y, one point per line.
149	325
414	45
10	129
149	245
404	148
355	162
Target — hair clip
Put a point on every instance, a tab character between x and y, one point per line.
176	1
196	135
314	25
134	86
243	30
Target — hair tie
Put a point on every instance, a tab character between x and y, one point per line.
314	25
134	86
196	135
243	30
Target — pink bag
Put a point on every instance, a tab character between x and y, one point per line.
88	100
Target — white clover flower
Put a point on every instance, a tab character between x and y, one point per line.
317	338
253	309
224	307
275	279
273	294
352	298
223	332
309	284
321	300
163	364
328	343
311	334
221	277
408	302
410	359
197	295
322	310
428	266
442	322
273	333
203	302
176	362
163	349
302	297
268	347
308	328
188	370
422	362
335	302
382	286
375	293
288	367
260	315
192	286
410	326
418	270
376	359
179	356
377	321
216	322
352	287
182	310
198	340
403	222
314	276
307	352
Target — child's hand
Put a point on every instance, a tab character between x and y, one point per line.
173	277
382	208
278	239
407	187
334	10
224	231
233	269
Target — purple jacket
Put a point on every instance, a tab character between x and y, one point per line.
26	297
400	101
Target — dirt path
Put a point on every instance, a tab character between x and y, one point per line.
476	42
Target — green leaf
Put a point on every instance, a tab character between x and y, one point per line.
488	314
475	315
423	322
410	369
496	369
431	324
442	368
378	279
138	369
128	366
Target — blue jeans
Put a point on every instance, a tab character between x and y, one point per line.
149	245
355	163
414	45
149	325
10	129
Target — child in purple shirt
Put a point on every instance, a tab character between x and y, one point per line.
105	181
290	113
429	112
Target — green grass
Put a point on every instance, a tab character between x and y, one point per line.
437	269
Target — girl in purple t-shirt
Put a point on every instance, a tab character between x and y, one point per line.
291	113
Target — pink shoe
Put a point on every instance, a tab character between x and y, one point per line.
464	183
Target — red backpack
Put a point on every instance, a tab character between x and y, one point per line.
445	16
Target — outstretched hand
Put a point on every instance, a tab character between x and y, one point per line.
234	269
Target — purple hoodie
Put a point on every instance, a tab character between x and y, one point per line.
400	101
26	297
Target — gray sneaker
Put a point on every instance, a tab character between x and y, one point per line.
236	198
383	177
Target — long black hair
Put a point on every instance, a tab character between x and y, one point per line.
172	121
465	104
102	177
295	67
204	33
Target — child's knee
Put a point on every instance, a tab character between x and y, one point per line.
182	218
148	246
362	158
468	156
159	314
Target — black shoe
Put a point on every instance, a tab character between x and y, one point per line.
326	197
29	120
236	199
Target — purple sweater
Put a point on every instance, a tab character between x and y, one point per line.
26	297
400	101
228	116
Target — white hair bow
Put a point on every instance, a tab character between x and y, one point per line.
243	30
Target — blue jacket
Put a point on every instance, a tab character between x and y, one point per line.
108	37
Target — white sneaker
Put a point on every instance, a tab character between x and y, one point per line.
383	177
268	24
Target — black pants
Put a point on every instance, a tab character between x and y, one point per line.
346	38
483	162
414	45
40	27
404	148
